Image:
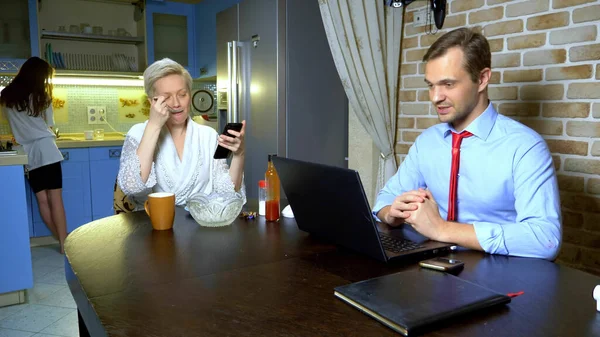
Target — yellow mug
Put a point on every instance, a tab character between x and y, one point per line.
160	207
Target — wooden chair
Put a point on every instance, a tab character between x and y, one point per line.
121	203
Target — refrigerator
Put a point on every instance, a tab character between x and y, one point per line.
276	72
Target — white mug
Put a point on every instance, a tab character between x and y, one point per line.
88	134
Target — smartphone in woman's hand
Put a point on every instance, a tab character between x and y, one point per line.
221	152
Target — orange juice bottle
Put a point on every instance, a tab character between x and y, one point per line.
272	179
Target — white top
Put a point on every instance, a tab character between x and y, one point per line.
35	135
196	172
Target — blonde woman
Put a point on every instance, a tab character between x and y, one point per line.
172	153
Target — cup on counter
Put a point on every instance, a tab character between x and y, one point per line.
160	207
74	29
88	134
87	30
99	134
97	30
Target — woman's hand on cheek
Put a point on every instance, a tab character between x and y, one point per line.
159	113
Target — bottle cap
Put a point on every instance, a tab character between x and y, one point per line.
271	156
262	183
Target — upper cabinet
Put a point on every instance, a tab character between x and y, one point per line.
97	36
170	33
18	33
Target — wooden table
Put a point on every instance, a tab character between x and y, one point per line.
270	279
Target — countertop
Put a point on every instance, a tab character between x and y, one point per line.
67	140
19	159
77	140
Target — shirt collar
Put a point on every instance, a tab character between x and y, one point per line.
481	126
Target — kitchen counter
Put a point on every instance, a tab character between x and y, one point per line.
77	140
18	159
67	140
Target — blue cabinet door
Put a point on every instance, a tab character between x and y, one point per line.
104	166
76	192
170	32
20	45
15	254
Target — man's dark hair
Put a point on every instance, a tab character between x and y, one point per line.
474	46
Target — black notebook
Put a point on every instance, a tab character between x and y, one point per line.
412	302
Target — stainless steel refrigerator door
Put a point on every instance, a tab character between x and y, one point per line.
227	31
259	18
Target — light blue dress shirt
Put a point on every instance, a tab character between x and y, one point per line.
507	185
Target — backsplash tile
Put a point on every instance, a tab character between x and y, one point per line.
79	97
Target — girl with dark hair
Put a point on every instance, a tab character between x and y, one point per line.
27	101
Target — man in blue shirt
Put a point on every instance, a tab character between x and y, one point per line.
507	199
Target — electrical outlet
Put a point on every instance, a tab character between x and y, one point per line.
102	115
420	17
92	115
96	115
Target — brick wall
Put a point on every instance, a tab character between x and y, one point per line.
545	74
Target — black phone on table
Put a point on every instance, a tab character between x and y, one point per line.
221	152
443	264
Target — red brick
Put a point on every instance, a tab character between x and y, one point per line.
545	127
570	183
568	3
547	21
568	147
406	122
572	219
424	123
589	166
584	90
542	92
569	73
590	52
593	187
519	109
566	110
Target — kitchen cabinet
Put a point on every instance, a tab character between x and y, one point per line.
104	167
170	29
206	34
98	36
19	38
15	255
88	180
76	192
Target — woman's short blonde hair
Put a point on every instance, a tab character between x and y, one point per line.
163	68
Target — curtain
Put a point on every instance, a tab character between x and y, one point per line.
364	37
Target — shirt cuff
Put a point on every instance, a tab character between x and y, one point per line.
381	202
490	237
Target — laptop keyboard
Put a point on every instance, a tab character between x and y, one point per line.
397	245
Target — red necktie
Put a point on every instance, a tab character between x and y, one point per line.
456	140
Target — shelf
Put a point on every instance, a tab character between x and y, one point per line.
91	37
98	73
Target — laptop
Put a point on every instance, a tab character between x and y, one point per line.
330	203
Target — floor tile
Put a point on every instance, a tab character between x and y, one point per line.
44	335
66	326
62	298
14	333
50	260
34	318
11	310
41	291
41	271
55	277
44	251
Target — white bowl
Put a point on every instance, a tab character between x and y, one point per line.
215	210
